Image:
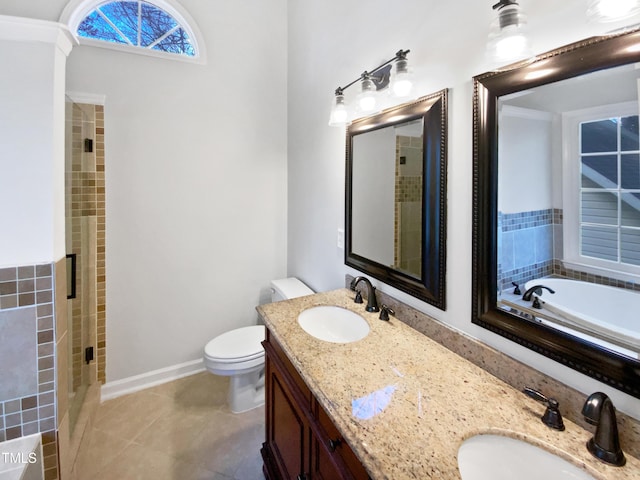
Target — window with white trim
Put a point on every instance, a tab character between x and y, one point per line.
602	188
155	27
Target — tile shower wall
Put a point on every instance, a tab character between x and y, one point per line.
86	238
101	276
81	321
530	246
560	271
27	356
33	330
408	204
526	245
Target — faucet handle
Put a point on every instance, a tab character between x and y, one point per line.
385	311
551	417
358	298
516	291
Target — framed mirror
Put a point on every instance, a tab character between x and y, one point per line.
396	181
556	206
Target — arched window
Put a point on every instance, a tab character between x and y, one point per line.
154	27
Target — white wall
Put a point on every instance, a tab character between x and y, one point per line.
196	184
373	194
330	44
32	56
525	158
195	180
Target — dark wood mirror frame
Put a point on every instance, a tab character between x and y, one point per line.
431	286
593	54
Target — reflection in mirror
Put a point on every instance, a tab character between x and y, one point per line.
396	177
581	138
387	196
557	210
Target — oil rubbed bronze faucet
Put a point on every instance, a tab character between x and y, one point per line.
551	417
537	289
598	410
372	303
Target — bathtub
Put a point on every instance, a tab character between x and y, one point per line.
607	312
21	458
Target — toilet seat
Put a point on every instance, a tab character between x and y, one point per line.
237	346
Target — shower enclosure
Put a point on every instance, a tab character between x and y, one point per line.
84	213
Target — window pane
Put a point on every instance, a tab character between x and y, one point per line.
600	207
155	23
630	171
630	204
629	133
95	26
139	24
599	242
124	15
630	246
600	136
600	171
177	42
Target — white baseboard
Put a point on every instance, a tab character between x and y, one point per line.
111	390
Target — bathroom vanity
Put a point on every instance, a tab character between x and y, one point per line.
393	405
301	437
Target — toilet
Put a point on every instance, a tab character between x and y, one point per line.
239	354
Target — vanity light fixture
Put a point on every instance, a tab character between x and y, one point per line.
339	112
403	82
372	82
367	97
508	41
612	10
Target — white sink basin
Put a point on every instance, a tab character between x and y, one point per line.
333	324
494	457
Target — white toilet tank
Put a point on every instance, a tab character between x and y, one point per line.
288	288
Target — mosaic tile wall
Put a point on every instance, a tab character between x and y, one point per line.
101	260
530	246
27	346
408	204
86	238
561	271
525	246
86	205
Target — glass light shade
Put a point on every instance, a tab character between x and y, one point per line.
339	116
508	40
367	98
403	81
612	10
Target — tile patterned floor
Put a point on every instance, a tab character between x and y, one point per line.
182	430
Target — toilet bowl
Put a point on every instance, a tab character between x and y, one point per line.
239	354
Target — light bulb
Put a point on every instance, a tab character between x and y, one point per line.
612	10
367	99
507	38
367	103
511	46
402	84
339	116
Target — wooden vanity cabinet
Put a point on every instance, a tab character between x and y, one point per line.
302	443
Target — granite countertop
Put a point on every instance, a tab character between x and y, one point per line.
405	403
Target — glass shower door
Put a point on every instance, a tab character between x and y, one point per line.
81	232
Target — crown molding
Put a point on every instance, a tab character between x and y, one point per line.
31	30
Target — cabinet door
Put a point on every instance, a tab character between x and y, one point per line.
323	465
287	430
336	447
